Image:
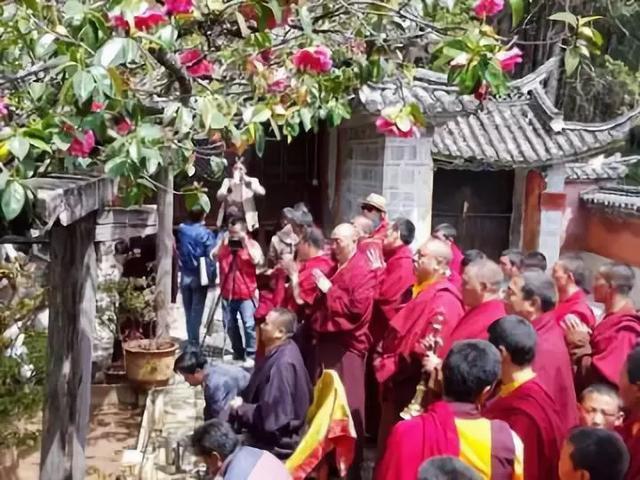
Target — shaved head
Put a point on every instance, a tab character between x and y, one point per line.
486	271
363	225
481	281
432	260
343	242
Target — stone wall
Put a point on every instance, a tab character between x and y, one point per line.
400	169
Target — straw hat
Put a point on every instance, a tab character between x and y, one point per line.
376	201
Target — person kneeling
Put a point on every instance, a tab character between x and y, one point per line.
273	408
227	459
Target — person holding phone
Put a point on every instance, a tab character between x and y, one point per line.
238	256
237	194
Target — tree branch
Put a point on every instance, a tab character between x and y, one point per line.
184	84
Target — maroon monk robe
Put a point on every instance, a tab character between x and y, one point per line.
398	364
474	324
612	341
398	277
533	415
456	265
630	433
434	432
310	295
342	329
576	304
552	365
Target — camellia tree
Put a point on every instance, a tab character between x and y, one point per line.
128	87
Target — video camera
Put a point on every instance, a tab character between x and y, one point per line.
235	244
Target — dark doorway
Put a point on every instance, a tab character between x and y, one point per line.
290	173
478	204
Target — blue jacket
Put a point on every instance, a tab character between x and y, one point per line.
195	241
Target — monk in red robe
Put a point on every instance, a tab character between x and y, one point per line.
630	393
302	294
448	233
532	295
481	285
398	276
599	358
522	401
374	207
600	406
399	359
341	326
570	275
455	427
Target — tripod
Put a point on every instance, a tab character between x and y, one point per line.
231	275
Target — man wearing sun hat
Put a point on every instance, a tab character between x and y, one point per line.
374	207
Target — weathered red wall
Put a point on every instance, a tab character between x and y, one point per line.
535	185
617	238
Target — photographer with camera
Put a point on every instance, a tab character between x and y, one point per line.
238	255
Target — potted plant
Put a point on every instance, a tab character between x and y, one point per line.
148	355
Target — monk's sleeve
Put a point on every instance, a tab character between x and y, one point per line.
400	462
391	289
609	361
348	304
274	409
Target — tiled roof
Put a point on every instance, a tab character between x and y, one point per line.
521	129
617	200
602	167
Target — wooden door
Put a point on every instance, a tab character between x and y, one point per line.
478	204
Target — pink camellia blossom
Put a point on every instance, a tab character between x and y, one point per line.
176	7
279	81
4	108
97	107
509	59
149	19
118	21
313	59
482	92
460	61
124	126
388	127
195	63
487	8
82	146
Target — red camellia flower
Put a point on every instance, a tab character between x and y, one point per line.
97	107
509	59
482	92
118	21
278	81
487	8
388	127
176	7
124	126
149	19
250	13
4	108
195	63
313	59
82	146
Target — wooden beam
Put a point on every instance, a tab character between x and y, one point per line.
72	310
116	223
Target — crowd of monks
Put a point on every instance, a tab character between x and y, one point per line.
512	356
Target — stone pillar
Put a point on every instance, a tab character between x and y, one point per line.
408	181
517	212
552	205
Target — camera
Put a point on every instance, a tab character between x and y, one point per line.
235	244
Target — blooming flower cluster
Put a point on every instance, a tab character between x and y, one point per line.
487	8
313	59
195	63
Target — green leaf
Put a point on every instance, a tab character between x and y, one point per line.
244	30
260	113
404	123
4	178
74	9
571	60
32	5
584	20
45	45
566	17
116	51
135	151
305	116
184	120
13	200
274	5
260	139
191	200
218	164
36	90
116	167
305	20
204	202
149	132
36	142
103	80
19	146
211	116
83	85
517	11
